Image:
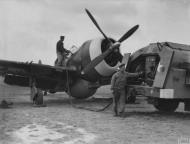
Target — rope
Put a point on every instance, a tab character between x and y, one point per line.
80	107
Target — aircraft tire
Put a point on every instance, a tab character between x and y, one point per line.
39	99
165	105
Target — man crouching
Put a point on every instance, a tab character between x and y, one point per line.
118	83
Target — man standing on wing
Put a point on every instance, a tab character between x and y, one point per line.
61	51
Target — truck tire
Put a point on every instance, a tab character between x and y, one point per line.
165	105
131	99
131	96
52	91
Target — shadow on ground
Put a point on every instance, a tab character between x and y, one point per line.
156	115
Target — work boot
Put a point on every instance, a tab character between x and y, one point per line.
115	112
122	114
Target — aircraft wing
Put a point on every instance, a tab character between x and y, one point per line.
46	76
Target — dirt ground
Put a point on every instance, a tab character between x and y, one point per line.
61	123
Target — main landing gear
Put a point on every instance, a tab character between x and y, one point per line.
36	95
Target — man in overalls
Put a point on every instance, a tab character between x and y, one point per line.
118	83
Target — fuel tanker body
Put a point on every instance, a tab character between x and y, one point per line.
166	79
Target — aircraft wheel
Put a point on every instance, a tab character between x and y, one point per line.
39	99
165	105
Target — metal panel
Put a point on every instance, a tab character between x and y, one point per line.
166	56
187	78
167	93
176	81
125	59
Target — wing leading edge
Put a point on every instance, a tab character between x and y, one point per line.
46	76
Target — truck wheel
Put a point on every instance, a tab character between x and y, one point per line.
52	91
131	96
165	105
131	99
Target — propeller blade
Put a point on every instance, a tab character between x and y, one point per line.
128	33
96	24
96	61
100	58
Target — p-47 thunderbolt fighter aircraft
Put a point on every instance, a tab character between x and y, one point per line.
86	69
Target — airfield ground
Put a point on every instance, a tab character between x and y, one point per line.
60	123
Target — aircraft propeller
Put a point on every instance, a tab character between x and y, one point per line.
96	24
113	46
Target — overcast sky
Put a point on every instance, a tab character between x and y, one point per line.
29	29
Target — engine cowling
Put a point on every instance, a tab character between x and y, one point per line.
90	50
81	85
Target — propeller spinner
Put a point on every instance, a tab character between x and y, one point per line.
113	46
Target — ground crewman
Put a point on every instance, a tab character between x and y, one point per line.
36	94
61	51
118	83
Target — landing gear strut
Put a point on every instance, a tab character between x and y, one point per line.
36	95
38	98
